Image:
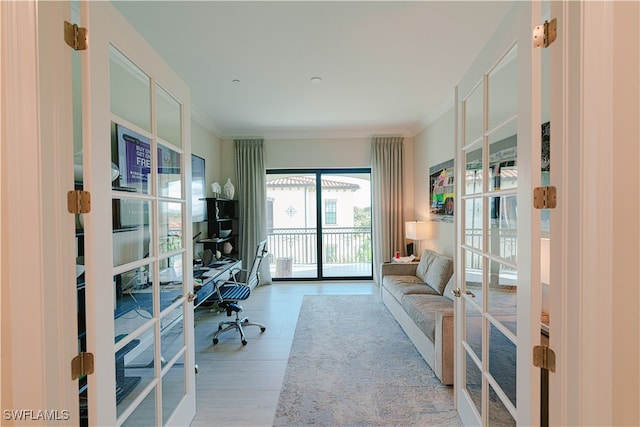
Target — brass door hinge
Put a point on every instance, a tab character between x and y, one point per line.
544	357
75	36
545	34
81	365
78	202
544	197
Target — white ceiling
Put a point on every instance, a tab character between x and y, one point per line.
385	66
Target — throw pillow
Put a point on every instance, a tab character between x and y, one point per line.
423	265
439	273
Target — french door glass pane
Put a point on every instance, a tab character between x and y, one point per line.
131	159
145	413
169	173
133	304
171	286
473	382
503	89
473	329
474	266
172	339
173	388
503	168
473	107
168	113
502	304
134	368
502	362
131	238
473	171
474	222
130	90
170	226
503	223
499	415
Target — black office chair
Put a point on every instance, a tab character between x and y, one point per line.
233	291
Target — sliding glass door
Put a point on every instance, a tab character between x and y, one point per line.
319	223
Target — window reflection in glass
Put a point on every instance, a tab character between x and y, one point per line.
503	165
473	171
503	227
169	173
170	226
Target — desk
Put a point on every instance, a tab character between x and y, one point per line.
134	308
170	290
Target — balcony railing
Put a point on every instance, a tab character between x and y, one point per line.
340	245
503	242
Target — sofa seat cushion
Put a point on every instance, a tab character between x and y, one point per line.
402	285
424	309
435	270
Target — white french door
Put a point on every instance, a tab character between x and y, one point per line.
497	229
136	164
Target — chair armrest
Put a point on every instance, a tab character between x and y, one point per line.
398	269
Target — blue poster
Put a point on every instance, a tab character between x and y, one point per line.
135	159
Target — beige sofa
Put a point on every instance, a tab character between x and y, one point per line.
419	297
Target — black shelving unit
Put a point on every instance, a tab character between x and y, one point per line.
222	218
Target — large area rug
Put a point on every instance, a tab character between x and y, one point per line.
352	365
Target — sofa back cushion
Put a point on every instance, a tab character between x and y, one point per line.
435	270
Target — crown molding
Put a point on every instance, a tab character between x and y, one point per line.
199	116
436	113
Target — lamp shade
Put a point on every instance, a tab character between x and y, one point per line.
416	230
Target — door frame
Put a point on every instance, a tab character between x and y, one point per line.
37	231
596	66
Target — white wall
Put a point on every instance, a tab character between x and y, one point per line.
318	153
435	144
208	146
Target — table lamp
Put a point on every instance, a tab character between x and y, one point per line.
416	231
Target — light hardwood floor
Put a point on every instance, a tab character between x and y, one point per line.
239	385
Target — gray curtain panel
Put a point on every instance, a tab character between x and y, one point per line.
387	173
251	193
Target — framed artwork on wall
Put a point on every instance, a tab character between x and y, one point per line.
441	192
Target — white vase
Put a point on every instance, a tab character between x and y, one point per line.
215	189
229	189
227	248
